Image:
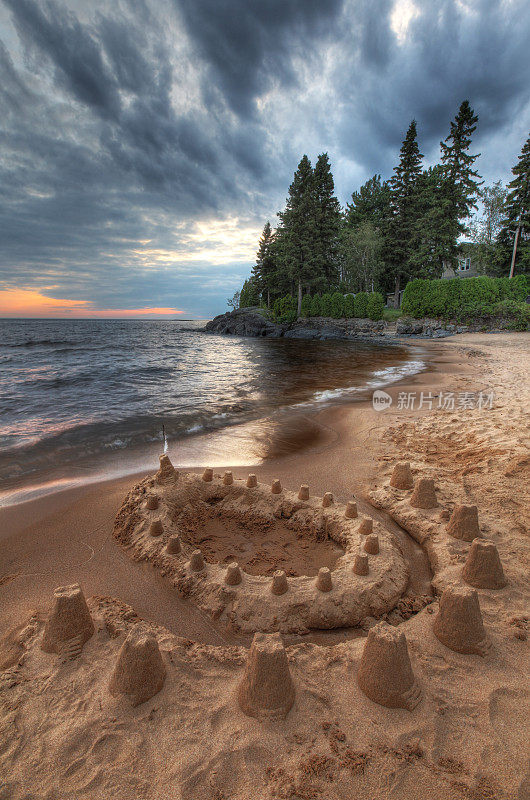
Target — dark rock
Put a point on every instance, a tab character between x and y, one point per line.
244	322
409	327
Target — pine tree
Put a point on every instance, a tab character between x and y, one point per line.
402	227
298	229
434	233
264	269
328	223
461	180
517	223
369	204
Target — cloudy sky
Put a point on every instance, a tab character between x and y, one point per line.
144	143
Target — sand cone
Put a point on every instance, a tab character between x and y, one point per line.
371	544
173	545
366	526
276	487
266	691
464	523
303	494
69	619
458	624
167	471
233	574
156	528
402	476
483	568
360	564
139	672
324	579
327	500
207	475
279	582
351	509
385	672
196	561
252	481
424	495
228	478
152	502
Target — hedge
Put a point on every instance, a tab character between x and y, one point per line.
375	306
458	297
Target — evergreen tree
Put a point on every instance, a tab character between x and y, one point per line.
327	224
402	227
263	271
369	204
461	180
517	223
298	229
434	234
249	294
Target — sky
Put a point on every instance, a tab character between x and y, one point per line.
144	143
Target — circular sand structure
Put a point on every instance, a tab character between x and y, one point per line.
254	556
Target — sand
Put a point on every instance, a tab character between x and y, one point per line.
64	735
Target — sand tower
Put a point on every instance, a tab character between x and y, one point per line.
69	625
402	476
152	502
458	624
385	673
228	478
252	481
360	564
233	574
371	544
156	528
279	582
266	691
303	494
327	500
167	471
424	495
483	567
196	561
366	527
139	672
276	486
351	509
207	475
323	581
173	545
464	523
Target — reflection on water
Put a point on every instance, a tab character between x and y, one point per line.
75	394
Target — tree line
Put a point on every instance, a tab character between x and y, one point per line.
392	231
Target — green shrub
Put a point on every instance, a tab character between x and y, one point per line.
460	297
326	305
349	306
316	306
337	305
283	307
360	305
306	306
375	306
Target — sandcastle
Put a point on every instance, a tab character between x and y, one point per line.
167	471
341	594
458	624
385	673
424	494
152	502
139	673
69	624
266	690
327	500
483	567
402	476
463	523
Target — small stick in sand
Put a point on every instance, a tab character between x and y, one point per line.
458	624
464	523
276	487
303	493
402	476
139	673
279	582
323	580
483	567
327	500
196	561
228	478
252	481
173	545
424	495
207	475
366	526
156	528
233	574
351	509
371	544
360	564
152	502
266	691
69	619
385	673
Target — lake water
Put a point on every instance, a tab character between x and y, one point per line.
86	397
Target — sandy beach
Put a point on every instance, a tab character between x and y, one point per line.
64	736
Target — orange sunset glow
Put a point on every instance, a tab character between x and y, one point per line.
28	302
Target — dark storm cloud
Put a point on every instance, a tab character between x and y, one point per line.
128	122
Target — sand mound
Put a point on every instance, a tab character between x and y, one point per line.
266	690
402	476
385	673
139	673
458	623
464	523
69	624
483	568
424	495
